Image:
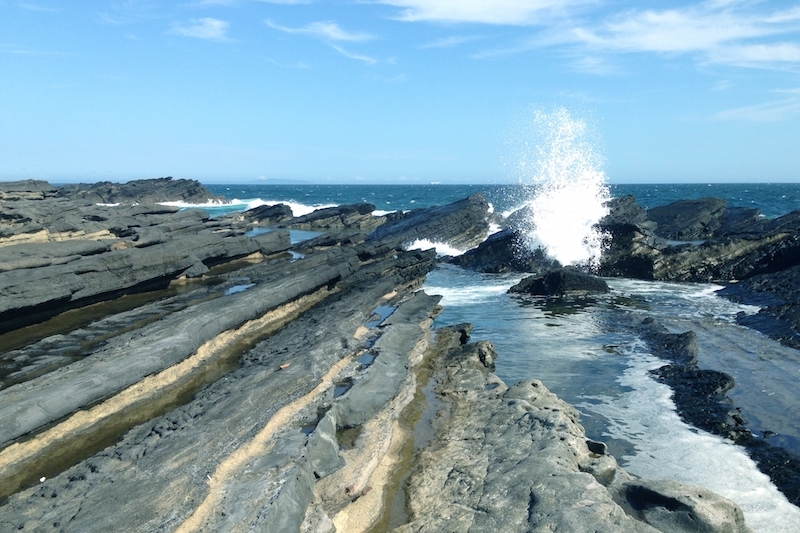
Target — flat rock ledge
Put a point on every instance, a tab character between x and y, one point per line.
517	459
296	401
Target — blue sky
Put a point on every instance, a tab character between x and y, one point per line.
395	91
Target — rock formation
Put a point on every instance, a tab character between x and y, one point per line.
561	282
516	459
166	371
140	191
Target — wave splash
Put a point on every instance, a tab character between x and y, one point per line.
566	191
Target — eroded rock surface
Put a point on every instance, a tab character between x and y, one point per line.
265	395
140	191
516	459
567	281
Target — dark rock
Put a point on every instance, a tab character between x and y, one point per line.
623	211
354	216
777	294
520	220
269	215
140	191
566	281
504	252
631	248
600	448
741	220
730	258
699	394
680	348
688	220
462	224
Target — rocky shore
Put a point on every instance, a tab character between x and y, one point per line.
166	371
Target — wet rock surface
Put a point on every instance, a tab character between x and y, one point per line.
463	224
561	282
758	259
516	459
700	396
504	252
166	371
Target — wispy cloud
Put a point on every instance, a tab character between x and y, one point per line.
299	65
595	65
287	2
352	55
131	11
448	42
718	31
327	30
331	34
202	28
37	7
19	50
775	111
514	12
206	3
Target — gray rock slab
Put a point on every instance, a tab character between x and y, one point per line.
517	459
128	359
156	475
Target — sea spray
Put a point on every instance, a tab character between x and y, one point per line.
566	191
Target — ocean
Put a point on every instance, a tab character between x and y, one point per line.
773	199
588	354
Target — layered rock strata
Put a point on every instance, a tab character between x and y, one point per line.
262	391
516	459
140	191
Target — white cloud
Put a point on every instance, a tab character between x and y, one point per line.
18	50
327	30
756	54
202	28
514	12
36	7
448	42
722	85
352	55
204	3
767	112
331	34
595	65
725	32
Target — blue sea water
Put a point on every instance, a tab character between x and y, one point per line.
587	353
773	199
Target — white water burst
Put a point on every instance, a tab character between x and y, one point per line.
567	191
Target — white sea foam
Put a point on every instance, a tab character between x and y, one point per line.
667	448
683	300
494	228
207	203
567	190
469	295
297	208
442	248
